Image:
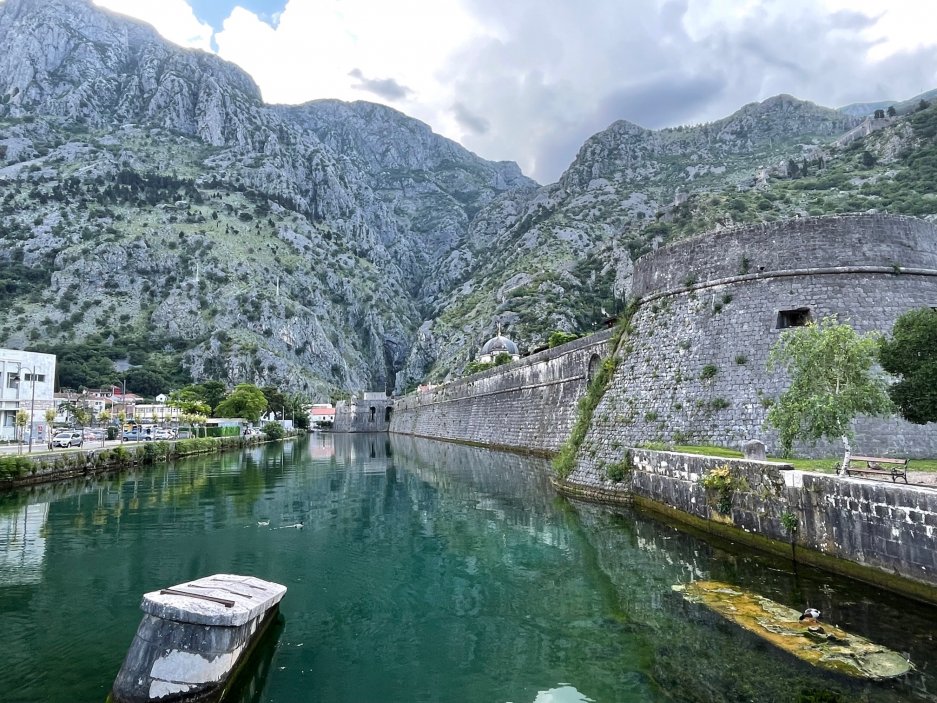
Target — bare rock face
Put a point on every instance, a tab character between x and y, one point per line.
283	246
337	245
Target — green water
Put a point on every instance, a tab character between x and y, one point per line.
423	572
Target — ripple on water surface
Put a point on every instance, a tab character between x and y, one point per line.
417	571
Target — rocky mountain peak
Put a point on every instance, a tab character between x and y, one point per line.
71	59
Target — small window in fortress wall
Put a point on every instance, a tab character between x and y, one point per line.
793	318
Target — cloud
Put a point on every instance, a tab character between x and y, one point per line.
531	80
386	88
174	19
470	121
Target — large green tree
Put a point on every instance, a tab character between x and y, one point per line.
246	400
910	354
832	382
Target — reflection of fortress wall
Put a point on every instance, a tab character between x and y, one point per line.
369	413
529	404
712	307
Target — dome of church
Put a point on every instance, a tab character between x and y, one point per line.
499	344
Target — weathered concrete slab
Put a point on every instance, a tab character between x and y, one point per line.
189	602
193	637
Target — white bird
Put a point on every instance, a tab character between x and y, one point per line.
263	523
810	614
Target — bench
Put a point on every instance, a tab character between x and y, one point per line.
883	466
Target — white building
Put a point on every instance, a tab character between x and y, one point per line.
159	413
27	380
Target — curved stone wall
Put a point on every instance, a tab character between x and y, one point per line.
796	247
694	368
529	404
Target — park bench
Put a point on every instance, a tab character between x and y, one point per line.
884	466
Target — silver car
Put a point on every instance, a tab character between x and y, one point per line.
68	439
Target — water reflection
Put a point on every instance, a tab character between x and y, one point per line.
416	570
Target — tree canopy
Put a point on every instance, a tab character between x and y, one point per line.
246	400
832	382
910	354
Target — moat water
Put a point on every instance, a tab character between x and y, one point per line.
422	571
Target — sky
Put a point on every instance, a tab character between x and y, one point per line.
531	80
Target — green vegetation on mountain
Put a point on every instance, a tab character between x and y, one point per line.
156	215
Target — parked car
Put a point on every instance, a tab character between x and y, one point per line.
68	439
136	436
252	432
163	433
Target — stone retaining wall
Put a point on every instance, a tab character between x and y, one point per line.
879	532
529	404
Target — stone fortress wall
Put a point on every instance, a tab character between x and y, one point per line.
693	369
529	404
366	412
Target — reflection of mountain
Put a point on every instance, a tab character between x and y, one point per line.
23	545
423	571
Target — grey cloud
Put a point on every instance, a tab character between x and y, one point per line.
386	88
469	120
558	71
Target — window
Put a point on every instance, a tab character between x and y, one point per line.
793	318
12	380
40	377
373	413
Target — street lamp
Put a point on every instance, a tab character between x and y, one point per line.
32	402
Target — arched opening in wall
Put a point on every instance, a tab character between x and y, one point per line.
594	362
373	413
387	413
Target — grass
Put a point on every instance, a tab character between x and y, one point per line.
827	465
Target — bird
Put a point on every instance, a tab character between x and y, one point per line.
263	523
810	614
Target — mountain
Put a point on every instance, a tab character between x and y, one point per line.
153	202
901	106
159	222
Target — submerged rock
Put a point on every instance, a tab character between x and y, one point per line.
826	646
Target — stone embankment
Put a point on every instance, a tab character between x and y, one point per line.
30	469
878	532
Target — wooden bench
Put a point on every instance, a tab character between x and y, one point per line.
883	466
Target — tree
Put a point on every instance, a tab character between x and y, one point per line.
21	420
275	399
50	418
868	159
921	106
560	337
891	112
246	400
274	430
213	393
911	355
832	383
879	114
187	402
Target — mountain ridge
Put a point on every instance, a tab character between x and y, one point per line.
331	246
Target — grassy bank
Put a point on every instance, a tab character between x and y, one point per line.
23	470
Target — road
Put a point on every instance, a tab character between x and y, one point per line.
42	448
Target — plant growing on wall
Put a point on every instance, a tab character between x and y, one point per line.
565	459
911	355
832	383
721	485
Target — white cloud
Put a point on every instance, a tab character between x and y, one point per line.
530	80
174	19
